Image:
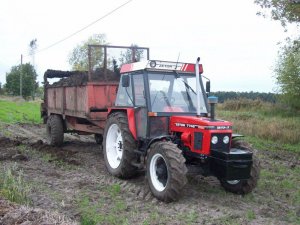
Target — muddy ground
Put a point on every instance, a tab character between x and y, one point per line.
70	185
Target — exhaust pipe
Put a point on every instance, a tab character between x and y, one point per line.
212	101
198	88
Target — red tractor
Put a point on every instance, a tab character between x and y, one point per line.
161	119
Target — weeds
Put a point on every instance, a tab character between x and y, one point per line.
227	220
250	215
188	217
13	186
262	120
114	190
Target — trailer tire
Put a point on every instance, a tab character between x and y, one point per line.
98	138
119	146
166	171
243	186
55	130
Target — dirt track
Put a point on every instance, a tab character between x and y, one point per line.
63	178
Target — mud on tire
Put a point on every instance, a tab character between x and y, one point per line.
119	146
243	186
55	130
166	171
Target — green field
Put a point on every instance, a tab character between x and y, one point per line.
19	112
267	126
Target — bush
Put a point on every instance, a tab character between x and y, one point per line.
245	103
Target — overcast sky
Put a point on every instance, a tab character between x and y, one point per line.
237	48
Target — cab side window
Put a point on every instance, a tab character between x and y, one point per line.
139	90
124	95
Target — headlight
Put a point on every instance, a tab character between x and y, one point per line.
214	140
225	139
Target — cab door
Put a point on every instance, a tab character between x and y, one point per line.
140	105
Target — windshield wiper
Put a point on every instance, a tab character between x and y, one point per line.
185	83
187	87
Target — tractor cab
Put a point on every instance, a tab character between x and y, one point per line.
158	90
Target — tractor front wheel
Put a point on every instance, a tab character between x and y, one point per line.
166	171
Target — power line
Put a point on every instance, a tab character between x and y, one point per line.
87	26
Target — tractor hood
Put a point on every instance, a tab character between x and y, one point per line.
202	123
196	133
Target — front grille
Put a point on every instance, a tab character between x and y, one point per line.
198	138
220	145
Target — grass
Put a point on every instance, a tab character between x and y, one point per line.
103	210
19	112
188	217
264	121
250	215
270	145
13	187
226	220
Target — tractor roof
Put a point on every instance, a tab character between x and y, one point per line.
160	66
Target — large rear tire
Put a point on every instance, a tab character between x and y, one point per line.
119	146
243	186
166	171
55	130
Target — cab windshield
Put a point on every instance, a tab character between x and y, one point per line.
172	92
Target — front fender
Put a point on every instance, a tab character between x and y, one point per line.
159	138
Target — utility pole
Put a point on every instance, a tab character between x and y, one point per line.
21	71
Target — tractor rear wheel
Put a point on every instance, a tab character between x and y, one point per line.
119	146
243	186
166	171
55	130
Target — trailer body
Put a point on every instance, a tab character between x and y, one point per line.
84	108
82	98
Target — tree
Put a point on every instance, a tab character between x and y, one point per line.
286	11
287	73
29	83
78	58
128	57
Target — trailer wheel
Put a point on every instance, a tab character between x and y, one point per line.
119	145
166	171
243	186
98	138
55	130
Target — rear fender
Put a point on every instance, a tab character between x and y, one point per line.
130	117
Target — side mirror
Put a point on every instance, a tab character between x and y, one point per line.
207	88
125	80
